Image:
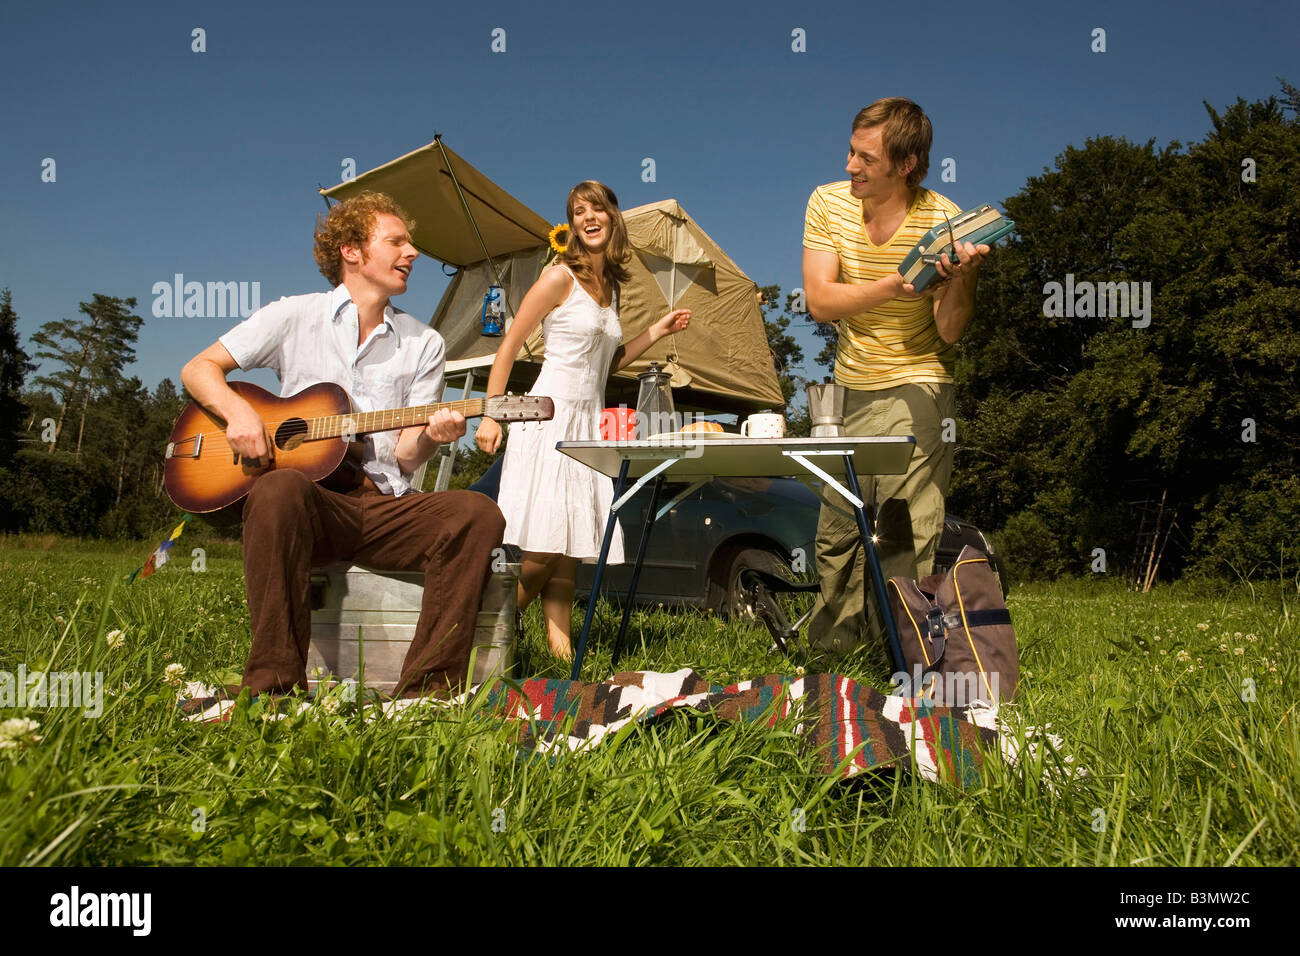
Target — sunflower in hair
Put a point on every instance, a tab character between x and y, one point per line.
560	238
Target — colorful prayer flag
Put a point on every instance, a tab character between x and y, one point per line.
161	553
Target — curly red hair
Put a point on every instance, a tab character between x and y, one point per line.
350	223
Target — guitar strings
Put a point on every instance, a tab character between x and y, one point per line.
219	440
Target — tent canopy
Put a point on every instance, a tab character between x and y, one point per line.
422	184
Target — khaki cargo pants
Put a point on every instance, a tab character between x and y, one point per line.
909	517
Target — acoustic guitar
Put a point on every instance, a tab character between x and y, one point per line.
313	432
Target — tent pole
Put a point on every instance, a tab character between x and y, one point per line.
505	299
469	215
672	293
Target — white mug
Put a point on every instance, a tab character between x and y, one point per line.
763	426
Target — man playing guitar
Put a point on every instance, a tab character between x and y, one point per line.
383	358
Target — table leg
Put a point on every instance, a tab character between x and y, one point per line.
877	576
636	567
600	573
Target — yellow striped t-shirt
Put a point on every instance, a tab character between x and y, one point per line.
898	342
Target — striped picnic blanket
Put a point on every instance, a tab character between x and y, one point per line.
851	727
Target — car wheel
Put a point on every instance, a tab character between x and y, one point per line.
726	596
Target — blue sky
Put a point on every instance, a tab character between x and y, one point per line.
171	161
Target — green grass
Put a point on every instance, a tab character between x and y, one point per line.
1182	768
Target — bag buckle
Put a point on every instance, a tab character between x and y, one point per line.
934	623
934	626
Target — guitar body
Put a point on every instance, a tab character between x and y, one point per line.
311	432
213	478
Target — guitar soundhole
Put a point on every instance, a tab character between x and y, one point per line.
290	434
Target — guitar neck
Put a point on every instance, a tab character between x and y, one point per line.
361	423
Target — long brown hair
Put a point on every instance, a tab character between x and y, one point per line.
617	250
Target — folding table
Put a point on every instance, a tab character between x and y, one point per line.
699	458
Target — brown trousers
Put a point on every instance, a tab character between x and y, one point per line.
292	524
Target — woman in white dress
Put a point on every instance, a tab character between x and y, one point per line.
555	508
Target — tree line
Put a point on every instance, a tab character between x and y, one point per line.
1095	430
81	450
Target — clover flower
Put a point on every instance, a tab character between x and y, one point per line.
18	732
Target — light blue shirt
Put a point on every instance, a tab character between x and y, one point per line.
312	338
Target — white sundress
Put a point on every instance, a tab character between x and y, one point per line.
553	504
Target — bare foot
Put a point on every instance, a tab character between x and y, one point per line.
564	651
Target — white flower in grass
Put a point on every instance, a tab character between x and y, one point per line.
18	732
317	672
330	704
1184	656
1237	635
1239	651
115	640
1202	626
174	674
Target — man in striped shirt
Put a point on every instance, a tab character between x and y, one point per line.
895	351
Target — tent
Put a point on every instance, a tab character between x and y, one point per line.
724	354
436	188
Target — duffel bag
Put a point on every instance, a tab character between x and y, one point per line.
956	627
